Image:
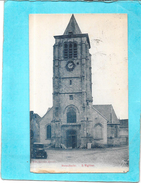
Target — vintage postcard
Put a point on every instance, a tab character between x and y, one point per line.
78	93
71	91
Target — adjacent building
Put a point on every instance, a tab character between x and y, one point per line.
123	131
34	127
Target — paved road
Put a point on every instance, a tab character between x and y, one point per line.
112	156
83	160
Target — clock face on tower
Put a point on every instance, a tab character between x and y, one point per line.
70	66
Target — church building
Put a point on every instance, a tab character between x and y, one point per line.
73	121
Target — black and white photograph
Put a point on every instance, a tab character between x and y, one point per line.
78	93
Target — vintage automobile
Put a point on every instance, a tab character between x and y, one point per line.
38	151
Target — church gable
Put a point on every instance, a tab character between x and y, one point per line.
99	127
108	112
45	127
47	118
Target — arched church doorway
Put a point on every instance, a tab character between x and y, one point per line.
71	138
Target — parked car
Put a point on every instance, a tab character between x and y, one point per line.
38	151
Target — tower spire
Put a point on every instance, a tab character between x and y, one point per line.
72	27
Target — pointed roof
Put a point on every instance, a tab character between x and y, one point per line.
72	27
73	31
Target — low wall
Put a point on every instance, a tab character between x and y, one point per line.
113	142
124	140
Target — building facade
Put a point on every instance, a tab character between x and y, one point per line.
123	131
73	121
34	127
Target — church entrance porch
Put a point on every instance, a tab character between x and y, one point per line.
71	140
70	135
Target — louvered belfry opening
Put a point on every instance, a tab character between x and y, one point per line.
70	50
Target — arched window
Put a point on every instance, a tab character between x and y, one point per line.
70	50
49	132
71	115
98	132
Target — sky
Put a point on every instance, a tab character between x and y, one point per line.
108	39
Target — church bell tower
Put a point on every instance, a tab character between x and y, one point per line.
72	86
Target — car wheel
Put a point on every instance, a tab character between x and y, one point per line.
45	156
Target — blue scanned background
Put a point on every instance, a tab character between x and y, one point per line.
15	88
